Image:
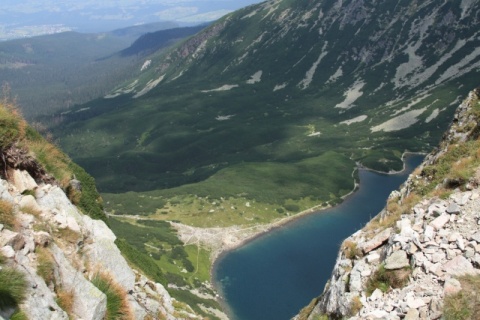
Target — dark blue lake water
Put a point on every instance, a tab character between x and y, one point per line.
279	273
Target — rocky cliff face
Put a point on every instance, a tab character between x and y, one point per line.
60	252
405	262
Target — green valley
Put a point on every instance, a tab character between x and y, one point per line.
275	105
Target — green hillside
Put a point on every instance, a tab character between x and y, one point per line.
274	105
52	73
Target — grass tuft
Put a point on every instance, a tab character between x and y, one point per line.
350	249
7	214
464	305
117	301
13	287
355	305
385	279
65	299
45	266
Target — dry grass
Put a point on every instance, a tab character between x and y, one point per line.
68	235
7	215
30	210
355	305
464	305
395	209
54	161
350	249
66	299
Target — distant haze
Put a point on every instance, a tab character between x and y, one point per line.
21	18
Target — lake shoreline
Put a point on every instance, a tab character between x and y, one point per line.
264	229
316	209
288	267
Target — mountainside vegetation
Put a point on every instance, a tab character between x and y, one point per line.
54	72
267	111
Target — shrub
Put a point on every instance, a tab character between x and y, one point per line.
117	301
13	287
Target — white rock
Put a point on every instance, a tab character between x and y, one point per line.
397	260
429	233
29	201
460	243
23	181
8	252
356	279
453	208
415	303
475	237
13	239
412	314
436	209
459	266
438	256
377	294
405	227
378	314
376	241
453	236
440	222
452	286
103	253
53	199
373	257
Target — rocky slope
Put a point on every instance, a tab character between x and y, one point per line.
405	262
78	247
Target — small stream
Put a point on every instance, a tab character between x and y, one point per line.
279	273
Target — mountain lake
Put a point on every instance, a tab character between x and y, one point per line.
274	276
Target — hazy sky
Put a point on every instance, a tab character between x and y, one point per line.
120	11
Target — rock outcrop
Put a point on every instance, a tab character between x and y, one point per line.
406	260
59	249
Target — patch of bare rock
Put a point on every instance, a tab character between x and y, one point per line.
438	241
78	247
